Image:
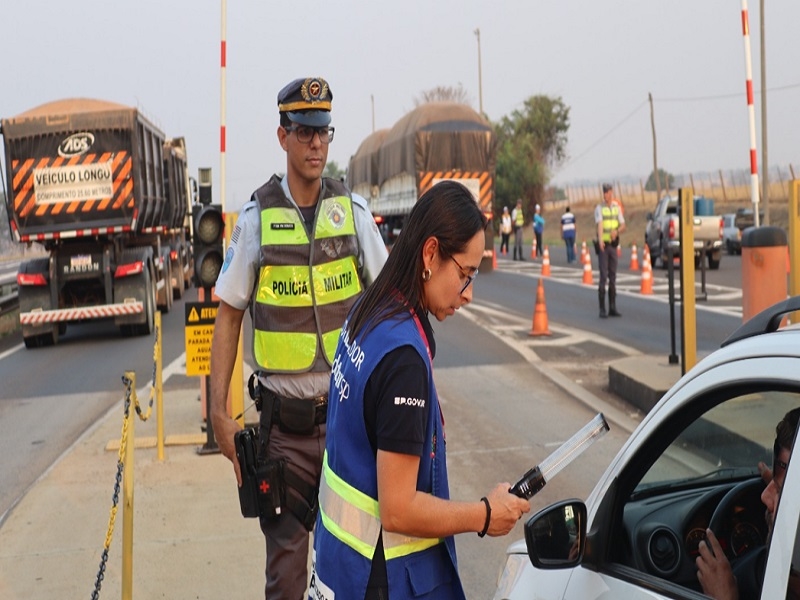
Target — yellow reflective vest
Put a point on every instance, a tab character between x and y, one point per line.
610	221
307	283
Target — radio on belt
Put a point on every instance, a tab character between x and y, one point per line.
538	476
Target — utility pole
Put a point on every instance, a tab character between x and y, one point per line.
764	163
480	76
655	154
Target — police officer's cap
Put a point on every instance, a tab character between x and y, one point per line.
307	101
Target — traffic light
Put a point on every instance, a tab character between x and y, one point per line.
209	231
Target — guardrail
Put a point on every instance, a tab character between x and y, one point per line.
9	295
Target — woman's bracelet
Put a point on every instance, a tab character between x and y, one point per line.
485	500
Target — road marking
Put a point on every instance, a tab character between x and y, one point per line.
11	351
630	285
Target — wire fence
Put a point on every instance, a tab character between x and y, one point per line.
726	187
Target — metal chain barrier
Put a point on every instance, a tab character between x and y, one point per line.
130	397
146	416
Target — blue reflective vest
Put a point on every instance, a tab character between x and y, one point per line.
348	524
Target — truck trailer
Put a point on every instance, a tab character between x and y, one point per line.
436	141
107	195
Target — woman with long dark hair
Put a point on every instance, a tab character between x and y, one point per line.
386	523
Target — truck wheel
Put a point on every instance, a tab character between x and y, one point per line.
166	295
43	339
146	328
177	275
663	256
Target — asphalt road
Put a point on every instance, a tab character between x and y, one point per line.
503	414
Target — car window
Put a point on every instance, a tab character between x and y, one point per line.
725	443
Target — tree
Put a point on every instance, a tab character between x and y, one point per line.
333	171
530	143
443	93
667	181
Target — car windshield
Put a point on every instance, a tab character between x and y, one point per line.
725	443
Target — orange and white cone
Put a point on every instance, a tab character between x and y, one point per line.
647	276
494	259
533	248
546	262
587	269
634	259
540	326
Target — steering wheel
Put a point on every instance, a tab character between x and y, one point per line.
744	567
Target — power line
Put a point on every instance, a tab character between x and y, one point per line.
605	135
726	96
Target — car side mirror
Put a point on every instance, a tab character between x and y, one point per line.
556	536
649	216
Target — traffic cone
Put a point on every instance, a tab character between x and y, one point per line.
540	326
634	259
494	259
647	276
619	251
546	262
587	269
533	248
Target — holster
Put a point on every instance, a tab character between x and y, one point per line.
294	416
262	492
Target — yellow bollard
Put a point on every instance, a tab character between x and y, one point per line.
127	498
159	385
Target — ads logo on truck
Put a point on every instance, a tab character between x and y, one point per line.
76	144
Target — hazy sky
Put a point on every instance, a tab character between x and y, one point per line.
601	58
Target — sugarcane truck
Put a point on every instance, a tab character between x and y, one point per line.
108	197
436	141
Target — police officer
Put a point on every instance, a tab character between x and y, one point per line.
610	223
302	252
518	219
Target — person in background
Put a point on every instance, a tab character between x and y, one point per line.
297	234
505	230
610	223
714	572
538	229
568	233
386	523
518	219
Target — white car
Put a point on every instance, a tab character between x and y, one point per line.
691	464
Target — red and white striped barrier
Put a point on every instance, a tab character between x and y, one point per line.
42	317
750	109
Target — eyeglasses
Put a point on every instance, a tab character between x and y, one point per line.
305	133
470	278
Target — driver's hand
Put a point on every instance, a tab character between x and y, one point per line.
714	571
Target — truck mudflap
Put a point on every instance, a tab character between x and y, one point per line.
42	317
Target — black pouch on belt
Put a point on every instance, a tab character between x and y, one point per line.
297	416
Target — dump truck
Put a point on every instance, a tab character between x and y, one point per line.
108	197
434	142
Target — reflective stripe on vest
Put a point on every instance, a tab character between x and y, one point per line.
307	284
610	221
354	519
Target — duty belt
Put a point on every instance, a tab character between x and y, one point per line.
320	406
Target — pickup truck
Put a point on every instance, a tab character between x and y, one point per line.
663	232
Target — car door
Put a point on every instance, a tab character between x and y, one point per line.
742	400
782	575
